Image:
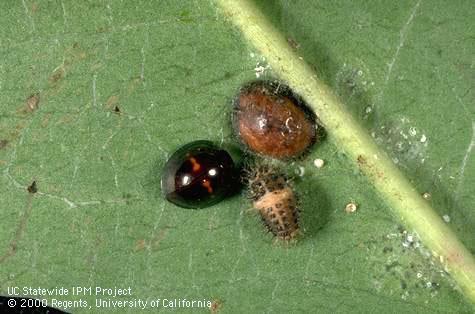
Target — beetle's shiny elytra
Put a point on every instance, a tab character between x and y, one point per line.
198	175
271	121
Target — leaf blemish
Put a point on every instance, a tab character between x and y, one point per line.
13	246
215	306
57	75
32	103
32	188
294	44
112	102
361	160
3	143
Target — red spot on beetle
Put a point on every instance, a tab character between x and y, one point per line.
195	164
207	185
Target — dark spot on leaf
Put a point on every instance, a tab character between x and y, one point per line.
215	306
140	245
185	16
117	109
403	284
3	143
34	8
57	75
361	160
112	102
32	102
387	249
102	29
295	45
392	265
32	188
126	195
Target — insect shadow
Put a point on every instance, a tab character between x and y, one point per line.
315	207
151	181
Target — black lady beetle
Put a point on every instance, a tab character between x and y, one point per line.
198	175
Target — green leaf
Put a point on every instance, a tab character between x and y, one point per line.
96	95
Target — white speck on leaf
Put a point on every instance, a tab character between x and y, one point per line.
446	218
403	135
351	207
319	163
260	69
426	195
300	171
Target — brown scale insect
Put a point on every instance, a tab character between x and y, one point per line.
274	198
270	120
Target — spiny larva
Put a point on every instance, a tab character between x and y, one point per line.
274	197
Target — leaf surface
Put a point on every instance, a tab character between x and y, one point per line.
95	96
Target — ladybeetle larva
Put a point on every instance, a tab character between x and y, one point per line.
274	198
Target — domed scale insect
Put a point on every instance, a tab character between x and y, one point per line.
271	121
